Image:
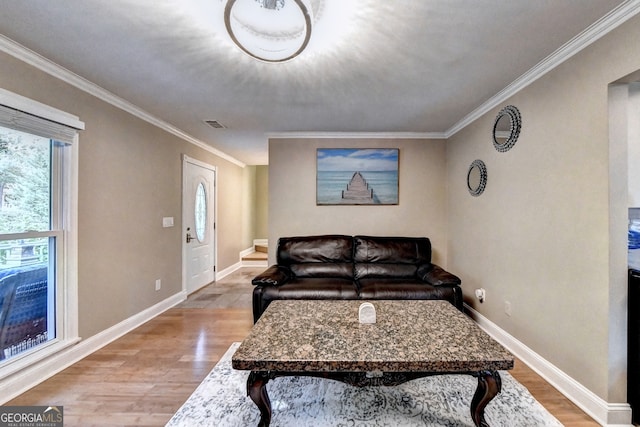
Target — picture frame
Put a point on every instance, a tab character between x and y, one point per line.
357	176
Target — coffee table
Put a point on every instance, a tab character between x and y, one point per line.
411	339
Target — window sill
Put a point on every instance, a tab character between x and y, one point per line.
23	362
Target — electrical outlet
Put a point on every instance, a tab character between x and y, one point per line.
481	294
507	308
158	284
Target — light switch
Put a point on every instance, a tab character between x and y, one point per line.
167	221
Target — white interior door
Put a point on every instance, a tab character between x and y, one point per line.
198	222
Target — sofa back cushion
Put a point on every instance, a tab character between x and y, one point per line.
323	269
317	256
394	257
392	250
381	271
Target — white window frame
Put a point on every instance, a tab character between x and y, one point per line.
66	186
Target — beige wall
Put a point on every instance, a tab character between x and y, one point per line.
262	202
130	175
549	233
422	198
247	211
255	203
541	235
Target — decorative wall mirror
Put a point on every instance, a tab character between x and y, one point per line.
506	128
477	177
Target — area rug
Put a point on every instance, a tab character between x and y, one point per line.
221	401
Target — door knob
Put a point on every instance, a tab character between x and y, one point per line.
189	238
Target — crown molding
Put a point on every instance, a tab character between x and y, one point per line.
43	64
354	135
595	31
612	20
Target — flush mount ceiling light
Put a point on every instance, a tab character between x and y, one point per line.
269	30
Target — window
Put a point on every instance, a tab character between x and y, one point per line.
200	211
38	293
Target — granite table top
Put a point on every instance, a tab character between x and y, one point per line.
409	336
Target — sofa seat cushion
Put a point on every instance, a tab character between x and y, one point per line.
394	289
312	288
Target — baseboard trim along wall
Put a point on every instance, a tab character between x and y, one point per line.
606	414
227	271
13	386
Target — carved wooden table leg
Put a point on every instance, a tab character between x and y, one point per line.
257	390
489	385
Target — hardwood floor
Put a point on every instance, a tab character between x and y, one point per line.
143	378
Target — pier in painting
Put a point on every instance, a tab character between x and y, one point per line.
358	190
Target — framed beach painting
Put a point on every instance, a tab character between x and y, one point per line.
356	176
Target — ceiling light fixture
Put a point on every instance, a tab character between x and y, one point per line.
269	30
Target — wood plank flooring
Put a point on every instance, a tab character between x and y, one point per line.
142	378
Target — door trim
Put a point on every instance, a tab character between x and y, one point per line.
186	159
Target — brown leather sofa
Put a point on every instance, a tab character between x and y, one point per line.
354	267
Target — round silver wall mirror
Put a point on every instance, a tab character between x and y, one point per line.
506	128
477	177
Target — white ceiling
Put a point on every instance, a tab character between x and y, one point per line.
416	66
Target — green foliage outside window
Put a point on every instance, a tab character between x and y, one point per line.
25	187
24	182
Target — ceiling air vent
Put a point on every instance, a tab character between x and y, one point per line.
215	124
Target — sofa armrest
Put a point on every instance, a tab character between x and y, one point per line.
437	276
273	276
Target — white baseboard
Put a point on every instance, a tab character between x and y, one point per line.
22	381
606	414
227	271
247	252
